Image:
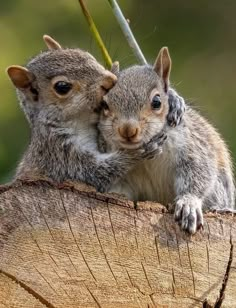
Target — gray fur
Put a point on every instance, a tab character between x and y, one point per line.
194	169
63	142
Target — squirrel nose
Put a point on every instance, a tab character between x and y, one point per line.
128	131
109	81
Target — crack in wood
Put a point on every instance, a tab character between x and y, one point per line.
208	260
173	277
35	294
41	275
152	299
135	232
45	220
177	242
117	246
157	251
190	263
100	244
29	223
76	242
167	242
220	299
205	304
93	297
146	276
112	227
60	278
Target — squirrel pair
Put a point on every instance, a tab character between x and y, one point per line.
89	125
60	92
194	169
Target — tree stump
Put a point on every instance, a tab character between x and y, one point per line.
68	246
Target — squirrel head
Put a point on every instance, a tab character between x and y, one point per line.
135	109
58	84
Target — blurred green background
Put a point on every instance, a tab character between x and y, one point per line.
201	36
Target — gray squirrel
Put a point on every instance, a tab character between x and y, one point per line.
60	91
194	170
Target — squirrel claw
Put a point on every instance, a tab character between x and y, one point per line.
151	150
188	213
158	139
176	108
153	147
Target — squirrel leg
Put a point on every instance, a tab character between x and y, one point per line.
176	108
194	181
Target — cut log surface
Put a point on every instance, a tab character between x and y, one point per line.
68	246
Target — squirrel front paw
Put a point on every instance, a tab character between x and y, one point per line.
188	212
154	146
176	108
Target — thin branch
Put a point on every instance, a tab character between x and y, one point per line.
96	34
127	31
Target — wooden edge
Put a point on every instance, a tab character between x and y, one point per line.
76	187
113	198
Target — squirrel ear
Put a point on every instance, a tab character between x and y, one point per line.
20	76
51	43
162	66
115	68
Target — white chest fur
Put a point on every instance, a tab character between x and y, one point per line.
152	180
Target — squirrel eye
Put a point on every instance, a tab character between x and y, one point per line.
156	102
62	87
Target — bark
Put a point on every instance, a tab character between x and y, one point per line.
68	246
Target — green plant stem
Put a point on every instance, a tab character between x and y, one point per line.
127	31
96	34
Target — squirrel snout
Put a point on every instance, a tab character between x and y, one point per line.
128	131
109	81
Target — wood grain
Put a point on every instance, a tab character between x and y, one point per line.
68	246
